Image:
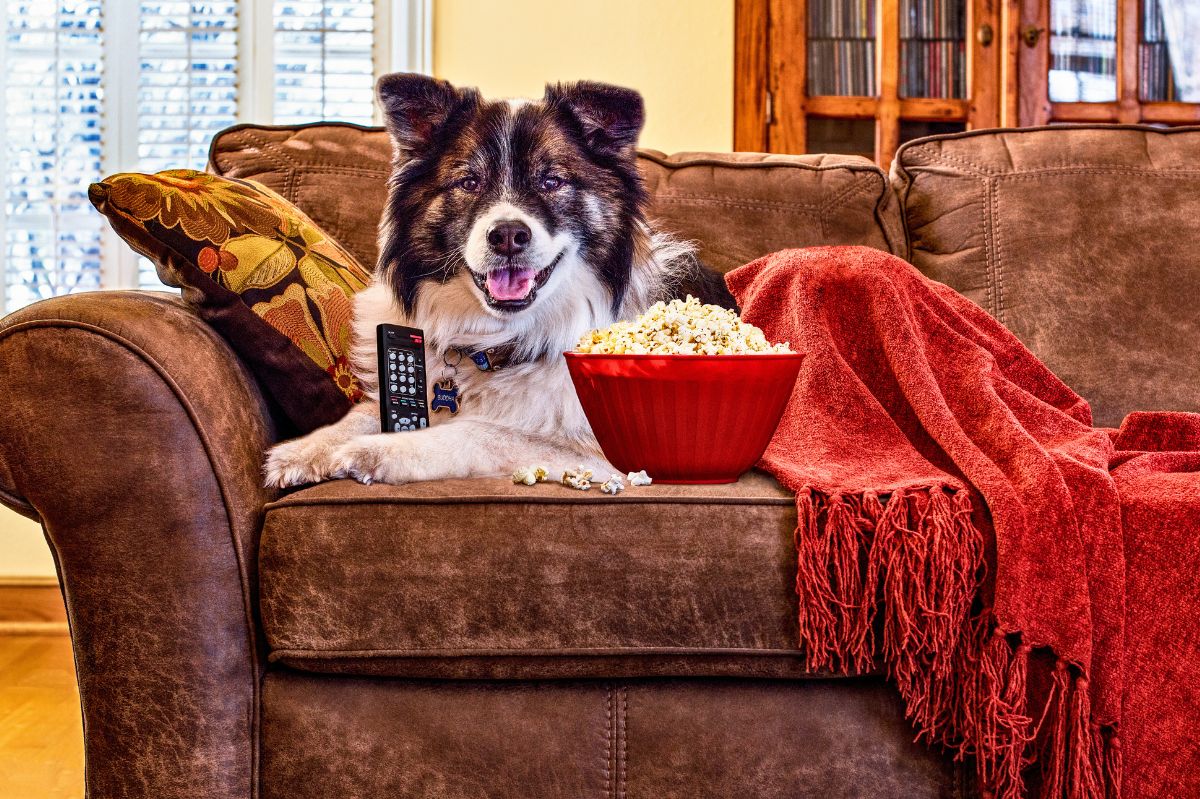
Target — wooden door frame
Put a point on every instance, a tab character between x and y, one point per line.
751	56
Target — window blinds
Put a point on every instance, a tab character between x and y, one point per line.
92	87
324	61
187	80
50	138
187	87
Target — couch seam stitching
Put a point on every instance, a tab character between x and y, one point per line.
673	165
243	573
624	737
598	652
763	502
271	150
997	267
942	157
1149	172
783	204
855	186
608	711
749	205
844	197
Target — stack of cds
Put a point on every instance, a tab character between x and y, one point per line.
1156	80
933	51
841	48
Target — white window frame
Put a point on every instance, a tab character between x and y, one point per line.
404	48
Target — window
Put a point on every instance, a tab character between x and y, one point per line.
53	68
92	87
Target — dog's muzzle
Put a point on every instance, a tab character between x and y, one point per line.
506	288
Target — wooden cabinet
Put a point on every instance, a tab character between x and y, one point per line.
861	76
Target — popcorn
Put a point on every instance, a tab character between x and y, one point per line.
613	485
680	327
580	478
639	478
528	475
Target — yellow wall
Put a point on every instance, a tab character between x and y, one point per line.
23	550
677	53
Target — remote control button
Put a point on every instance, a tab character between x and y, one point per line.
424	424
391	356
409	358
397	428
395	387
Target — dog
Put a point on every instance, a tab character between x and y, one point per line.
511	227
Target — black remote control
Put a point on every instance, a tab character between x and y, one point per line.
402	402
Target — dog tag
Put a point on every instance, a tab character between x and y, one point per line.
445	396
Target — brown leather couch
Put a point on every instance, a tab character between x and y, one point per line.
475	639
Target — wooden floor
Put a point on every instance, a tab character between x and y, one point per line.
41	736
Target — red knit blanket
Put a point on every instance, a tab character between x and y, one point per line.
958	522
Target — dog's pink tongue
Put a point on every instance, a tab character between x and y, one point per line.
510	284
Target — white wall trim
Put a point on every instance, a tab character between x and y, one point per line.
4	156
119	131
407	43
256	61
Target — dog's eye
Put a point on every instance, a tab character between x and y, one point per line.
550	183
469	183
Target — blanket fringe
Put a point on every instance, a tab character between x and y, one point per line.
912	568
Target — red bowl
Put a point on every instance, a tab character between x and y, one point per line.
684	418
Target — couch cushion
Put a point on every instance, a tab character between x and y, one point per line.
638	739
484	579
736	206
1081	240
741	206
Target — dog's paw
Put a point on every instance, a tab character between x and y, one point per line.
377	458
300	462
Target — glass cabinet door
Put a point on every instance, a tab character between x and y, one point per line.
1083	51
1108	61
1169	51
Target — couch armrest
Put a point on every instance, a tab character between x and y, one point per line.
132	431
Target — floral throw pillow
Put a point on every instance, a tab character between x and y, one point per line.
258	270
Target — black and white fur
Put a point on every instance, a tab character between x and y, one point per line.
507	221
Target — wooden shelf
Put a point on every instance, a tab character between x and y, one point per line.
847	107
1171	113
935	109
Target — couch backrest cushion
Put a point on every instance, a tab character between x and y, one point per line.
740	206
1082	240
736	207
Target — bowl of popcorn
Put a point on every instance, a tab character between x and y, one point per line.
688	392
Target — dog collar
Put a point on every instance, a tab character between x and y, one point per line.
491	359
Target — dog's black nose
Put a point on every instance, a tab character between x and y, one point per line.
509	237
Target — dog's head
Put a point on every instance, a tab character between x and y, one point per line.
510	201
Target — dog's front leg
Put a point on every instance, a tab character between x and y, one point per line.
461	448
310	458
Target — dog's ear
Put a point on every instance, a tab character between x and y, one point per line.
415	106
611	117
